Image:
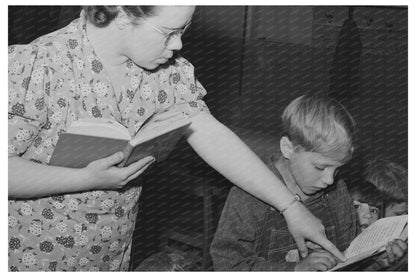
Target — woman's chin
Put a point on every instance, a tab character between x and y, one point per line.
154	65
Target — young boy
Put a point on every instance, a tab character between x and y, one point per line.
317	139
391	179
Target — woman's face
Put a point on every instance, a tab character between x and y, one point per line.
367	214
145	46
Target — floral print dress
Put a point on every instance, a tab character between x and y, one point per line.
53	81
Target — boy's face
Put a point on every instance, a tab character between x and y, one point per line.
396	209
367	214
312	171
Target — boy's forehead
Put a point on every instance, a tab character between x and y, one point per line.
323	159
358	201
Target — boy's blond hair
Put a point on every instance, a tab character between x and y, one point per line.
389	177
319	124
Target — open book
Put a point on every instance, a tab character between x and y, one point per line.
90	139
374	239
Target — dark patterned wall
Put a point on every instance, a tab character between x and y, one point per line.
26	23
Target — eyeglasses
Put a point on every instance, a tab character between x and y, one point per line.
172	35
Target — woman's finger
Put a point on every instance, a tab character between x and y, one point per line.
325	257
138	173
331	248
303	225
136	166
312	245
300	242
109	161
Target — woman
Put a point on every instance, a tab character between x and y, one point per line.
113	62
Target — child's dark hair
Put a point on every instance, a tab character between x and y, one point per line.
366	192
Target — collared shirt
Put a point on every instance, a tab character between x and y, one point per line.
54	81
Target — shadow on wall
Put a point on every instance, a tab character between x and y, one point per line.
372	83
27	23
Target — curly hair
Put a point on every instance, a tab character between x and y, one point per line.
101	16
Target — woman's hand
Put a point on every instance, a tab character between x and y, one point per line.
317	260
303	225
105	174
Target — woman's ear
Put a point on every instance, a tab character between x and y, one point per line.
122	20
286	147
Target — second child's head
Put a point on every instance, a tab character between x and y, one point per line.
391	179
368	203
317	139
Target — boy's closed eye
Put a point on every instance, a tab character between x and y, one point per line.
401	213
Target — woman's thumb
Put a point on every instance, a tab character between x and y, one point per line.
114	159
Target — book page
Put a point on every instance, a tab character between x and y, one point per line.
99	127
377	235
159	124
374	239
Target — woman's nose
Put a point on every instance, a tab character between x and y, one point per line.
175	44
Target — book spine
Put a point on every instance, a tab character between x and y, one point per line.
127	152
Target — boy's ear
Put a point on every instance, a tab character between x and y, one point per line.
122	20
286	147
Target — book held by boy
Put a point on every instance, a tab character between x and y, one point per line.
89	139
374	239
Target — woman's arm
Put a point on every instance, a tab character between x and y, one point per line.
28	179
226	153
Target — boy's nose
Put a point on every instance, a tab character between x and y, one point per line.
363	220
366	213
328	178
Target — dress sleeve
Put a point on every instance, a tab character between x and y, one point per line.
28	89
188	92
